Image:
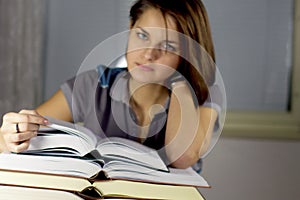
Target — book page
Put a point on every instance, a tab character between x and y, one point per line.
73	129
128	171
69	139
59	144
139	190
13	193
128	151
49	164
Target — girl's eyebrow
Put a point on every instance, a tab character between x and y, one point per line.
170	42
143	30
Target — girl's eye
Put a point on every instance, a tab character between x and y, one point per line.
168	47
142	36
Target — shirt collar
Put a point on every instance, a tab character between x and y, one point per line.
120	90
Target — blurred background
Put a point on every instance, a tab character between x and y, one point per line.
43	43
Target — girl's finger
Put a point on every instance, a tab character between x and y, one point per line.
24	118
18	147
19	137
23	127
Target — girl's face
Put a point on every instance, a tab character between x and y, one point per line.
153	51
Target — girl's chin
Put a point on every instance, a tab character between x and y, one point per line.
141	78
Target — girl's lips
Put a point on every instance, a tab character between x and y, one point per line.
145	67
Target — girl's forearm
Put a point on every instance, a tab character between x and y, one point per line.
189	128
183	140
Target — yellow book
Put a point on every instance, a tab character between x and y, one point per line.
97	189
25	193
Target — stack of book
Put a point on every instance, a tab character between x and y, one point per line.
73	164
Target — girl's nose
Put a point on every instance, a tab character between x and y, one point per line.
151	54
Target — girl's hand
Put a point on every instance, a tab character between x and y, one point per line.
18	128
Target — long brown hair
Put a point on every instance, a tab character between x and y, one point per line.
191	19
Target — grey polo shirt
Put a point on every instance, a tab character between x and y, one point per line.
104	109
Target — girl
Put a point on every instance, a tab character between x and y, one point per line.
147	102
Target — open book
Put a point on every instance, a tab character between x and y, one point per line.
75	160
77	141
93	171
78	152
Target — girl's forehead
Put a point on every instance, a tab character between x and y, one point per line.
152	17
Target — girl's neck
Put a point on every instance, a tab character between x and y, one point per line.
145	95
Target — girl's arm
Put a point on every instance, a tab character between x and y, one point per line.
56	107
189	129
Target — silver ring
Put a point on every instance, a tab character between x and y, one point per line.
17	128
